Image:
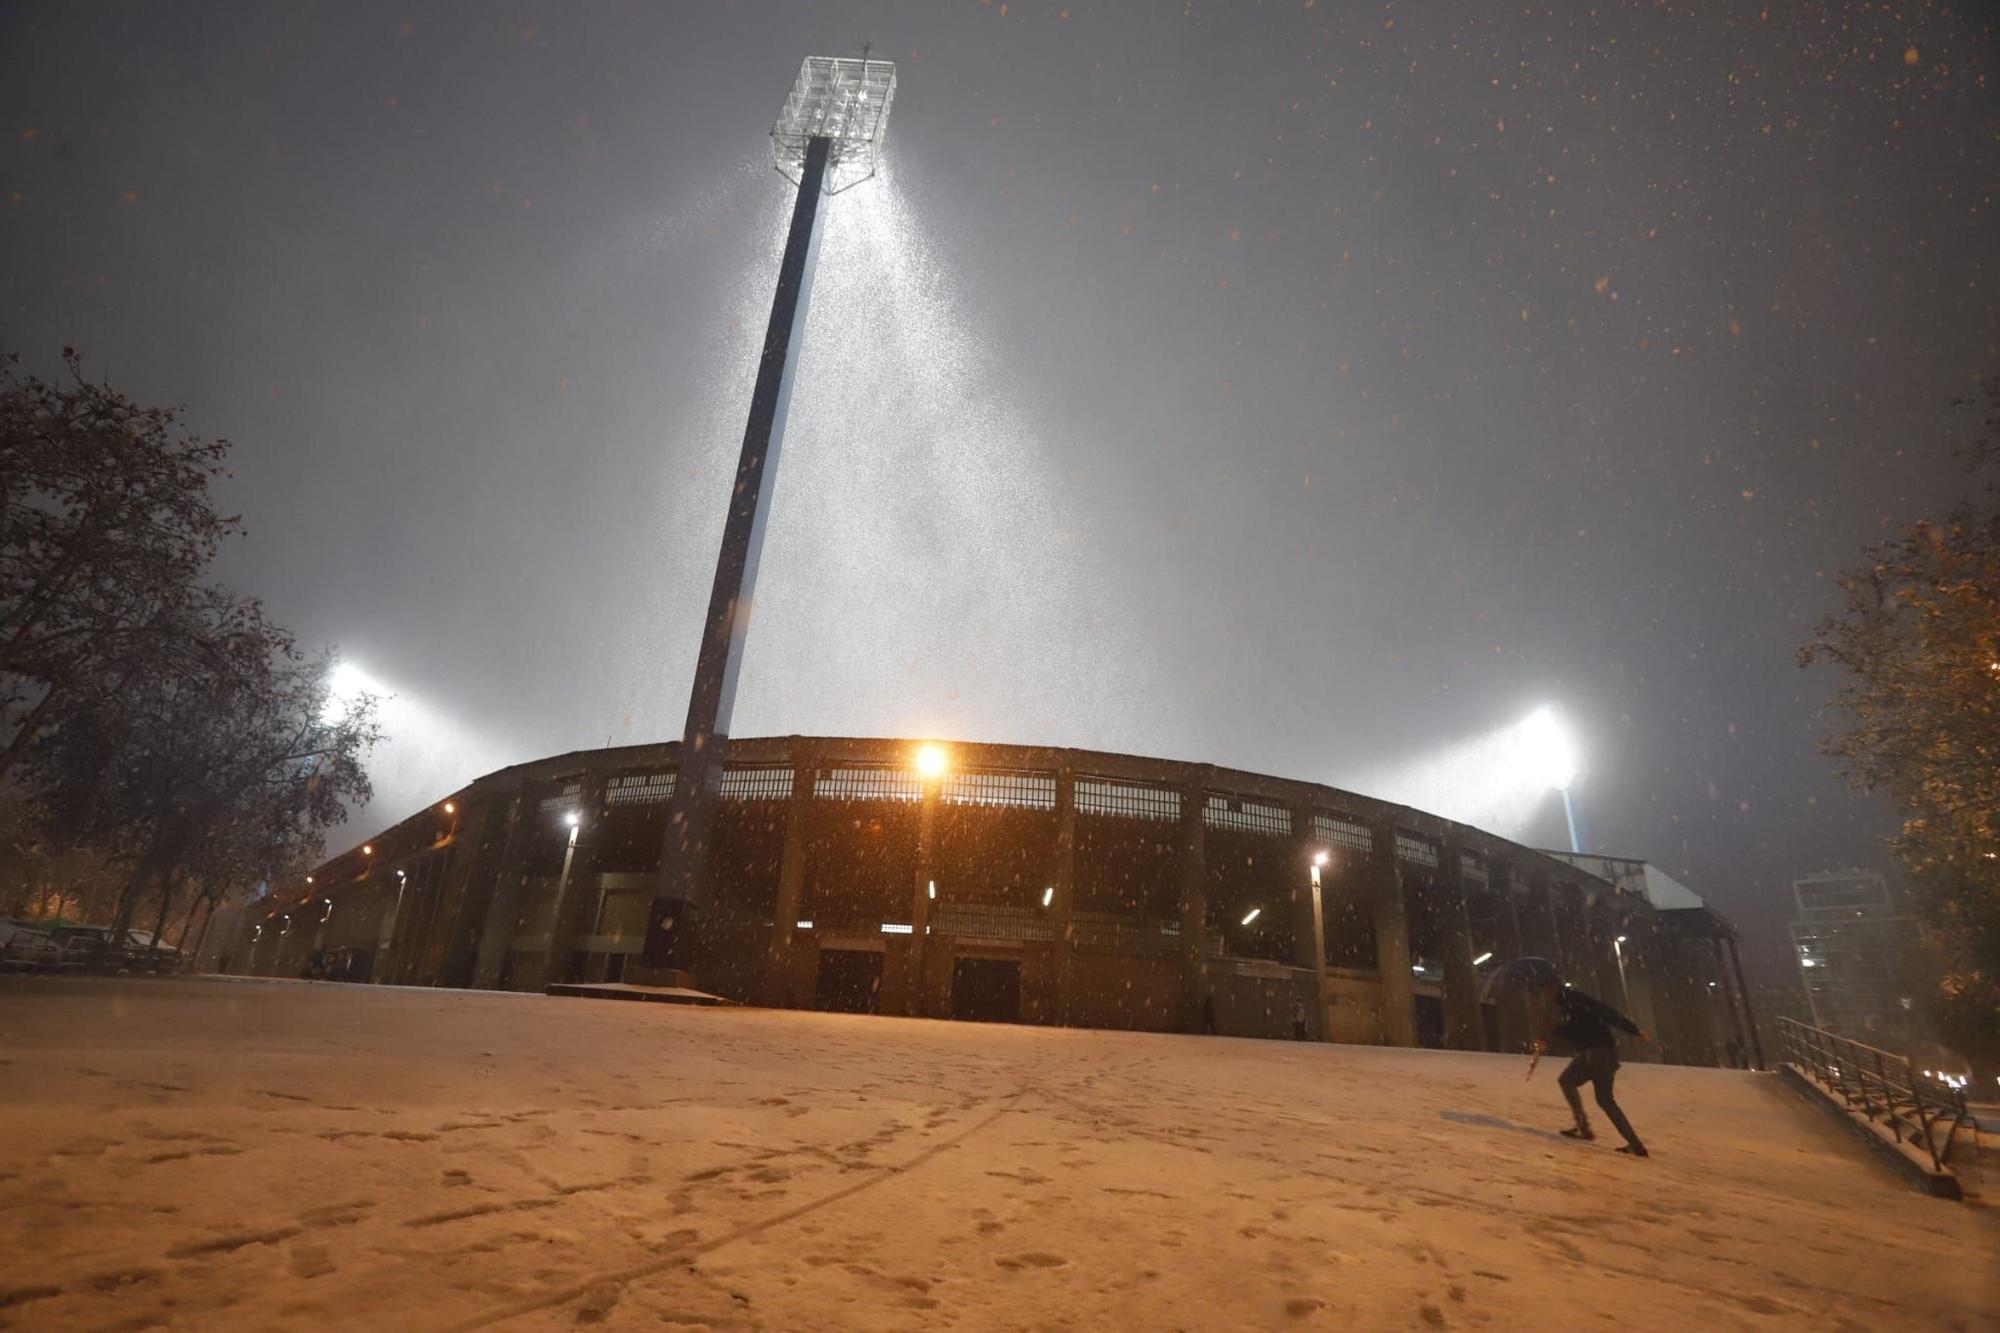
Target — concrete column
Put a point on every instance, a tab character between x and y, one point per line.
791	880
1515	1029
920	904
1194	900
426	950
1064	908
1392	939
496	928
1462	1029
1736	1003
472	887
1749	1015
1542	936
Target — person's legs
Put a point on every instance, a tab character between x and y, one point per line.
1601	1080
1574	1076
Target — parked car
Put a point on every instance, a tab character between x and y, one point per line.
26	949
100	949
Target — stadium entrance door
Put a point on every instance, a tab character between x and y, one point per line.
986	990
850	980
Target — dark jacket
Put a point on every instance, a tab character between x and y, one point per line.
1586	1024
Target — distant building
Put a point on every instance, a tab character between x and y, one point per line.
1852	943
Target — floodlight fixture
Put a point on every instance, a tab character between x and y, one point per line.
1548	749
843	101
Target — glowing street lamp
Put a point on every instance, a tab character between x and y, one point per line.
827	138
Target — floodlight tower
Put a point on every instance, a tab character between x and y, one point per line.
1552	757
826	140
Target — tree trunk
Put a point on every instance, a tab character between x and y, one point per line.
207	919
166	899
187	921
128	903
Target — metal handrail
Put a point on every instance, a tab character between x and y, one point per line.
1881	1085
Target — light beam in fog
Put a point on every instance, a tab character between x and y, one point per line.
1500	781
424	749
924	571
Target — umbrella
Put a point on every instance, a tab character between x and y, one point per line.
1517	974
1522	974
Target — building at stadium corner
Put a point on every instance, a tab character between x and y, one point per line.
1012	883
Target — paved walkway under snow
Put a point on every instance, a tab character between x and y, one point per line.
271	1155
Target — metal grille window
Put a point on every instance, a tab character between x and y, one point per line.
640	789
1100	933
992	922
1247	816
569	797
1029	791
1128	800
757	784
1472	869
1340	831
1415	850
868	784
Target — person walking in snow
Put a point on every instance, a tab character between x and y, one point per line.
1585	1026
1298	1020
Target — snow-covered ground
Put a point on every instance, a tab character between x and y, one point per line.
271	1155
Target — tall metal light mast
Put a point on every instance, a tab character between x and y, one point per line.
826	140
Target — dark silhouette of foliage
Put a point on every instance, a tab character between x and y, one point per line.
1919	640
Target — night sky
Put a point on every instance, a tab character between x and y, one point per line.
1308	388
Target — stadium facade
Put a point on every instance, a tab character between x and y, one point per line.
1018	883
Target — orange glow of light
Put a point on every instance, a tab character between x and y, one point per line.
931	759
368	849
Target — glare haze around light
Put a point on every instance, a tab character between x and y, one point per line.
1501	781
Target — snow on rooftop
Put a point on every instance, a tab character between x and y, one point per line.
287	1155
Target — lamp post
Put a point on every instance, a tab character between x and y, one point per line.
826	139
1318	949
552	966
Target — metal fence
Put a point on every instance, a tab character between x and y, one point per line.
1880	1085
